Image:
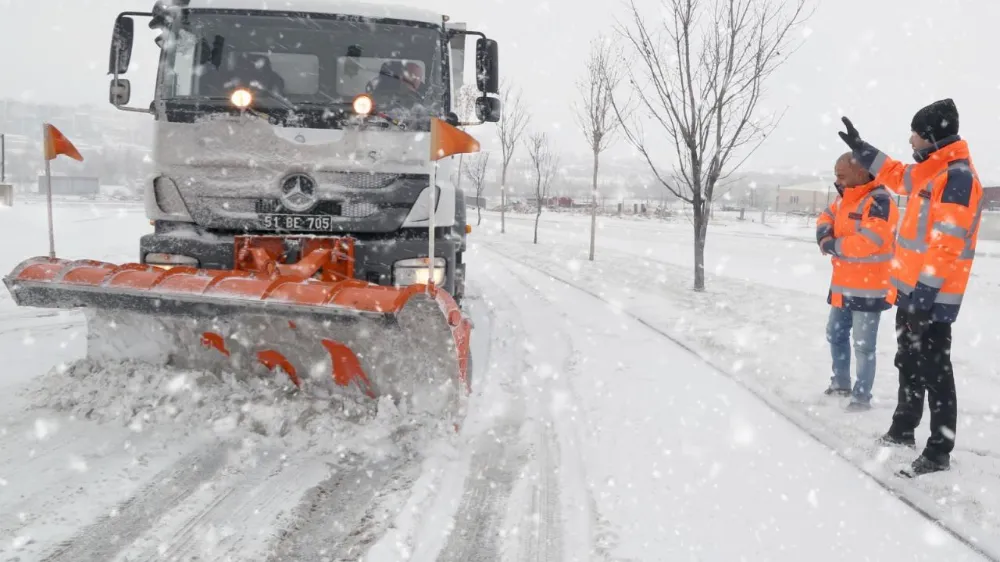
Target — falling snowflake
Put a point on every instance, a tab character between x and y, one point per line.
45	428
77	463
743	433
812	499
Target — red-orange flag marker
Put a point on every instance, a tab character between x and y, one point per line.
56	143
447	140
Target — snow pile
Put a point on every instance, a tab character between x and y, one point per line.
139	395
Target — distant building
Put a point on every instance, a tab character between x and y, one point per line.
550	202
810	197
71	185
991	198
473	201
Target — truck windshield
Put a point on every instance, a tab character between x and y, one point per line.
303	62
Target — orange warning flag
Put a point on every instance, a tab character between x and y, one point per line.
447	140
56	143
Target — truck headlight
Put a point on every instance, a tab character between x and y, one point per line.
415	271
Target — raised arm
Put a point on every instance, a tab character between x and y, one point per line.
893	174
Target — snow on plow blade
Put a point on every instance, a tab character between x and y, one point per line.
331	337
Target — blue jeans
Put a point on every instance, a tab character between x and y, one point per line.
864	327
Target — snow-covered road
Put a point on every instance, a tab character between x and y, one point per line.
591	435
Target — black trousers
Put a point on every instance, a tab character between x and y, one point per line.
924	364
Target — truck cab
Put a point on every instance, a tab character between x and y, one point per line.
305	118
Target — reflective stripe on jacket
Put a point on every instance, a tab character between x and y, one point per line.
863	223
937	238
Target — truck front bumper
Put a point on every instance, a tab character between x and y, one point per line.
373	259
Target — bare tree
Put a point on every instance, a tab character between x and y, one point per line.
594	114
465	103
697	74
476	172
549	172
465	109
511	126
546	164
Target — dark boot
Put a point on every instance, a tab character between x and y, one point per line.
831	391
926	465
858	407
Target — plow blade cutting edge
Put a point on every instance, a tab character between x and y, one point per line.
332	338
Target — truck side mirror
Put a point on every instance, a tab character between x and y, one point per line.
487	66
119	92
121	45
488	109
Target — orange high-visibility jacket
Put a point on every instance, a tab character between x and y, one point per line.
937	238
863	223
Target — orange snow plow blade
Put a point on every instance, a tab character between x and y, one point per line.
330	334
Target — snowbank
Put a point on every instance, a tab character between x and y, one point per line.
225	406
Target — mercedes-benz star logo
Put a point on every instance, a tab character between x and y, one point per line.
298	193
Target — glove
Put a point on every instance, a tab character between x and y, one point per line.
918	320
829	246
852	138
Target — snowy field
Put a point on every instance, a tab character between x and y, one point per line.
615	416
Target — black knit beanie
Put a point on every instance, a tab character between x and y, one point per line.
936	121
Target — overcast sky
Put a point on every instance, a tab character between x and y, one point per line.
877	61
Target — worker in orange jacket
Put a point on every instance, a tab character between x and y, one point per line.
931	269
857	230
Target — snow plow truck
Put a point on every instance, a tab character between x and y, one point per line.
297	200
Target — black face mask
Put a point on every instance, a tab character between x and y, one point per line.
840	188
923	154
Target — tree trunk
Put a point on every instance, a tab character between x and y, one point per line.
503	199
538	215
700	234
593	209
479	210
538	198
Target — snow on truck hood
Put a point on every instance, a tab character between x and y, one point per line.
339	7
251	143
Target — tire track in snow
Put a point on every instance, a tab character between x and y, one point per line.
103	539
232	516
343	515
602	538
498	455
578	510
543	541
924	508
336	519
546	539
62	464
491	478
512	477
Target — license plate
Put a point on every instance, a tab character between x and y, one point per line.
297	222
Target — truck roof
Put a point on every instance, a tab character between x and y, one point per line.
344	7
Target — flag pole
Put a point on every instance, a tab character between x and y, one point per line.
431	211
48	188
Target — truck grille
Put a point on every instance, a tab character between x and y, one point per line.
362	180
274	207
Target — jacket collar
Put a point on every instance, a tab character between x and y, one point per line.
858	191
949	148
